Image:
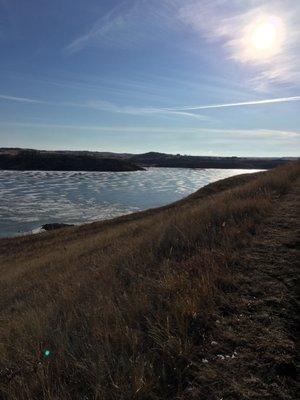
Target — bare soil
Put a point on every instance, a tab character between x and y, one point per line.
252	352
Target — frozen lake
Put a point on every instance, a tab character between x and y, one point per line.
31	199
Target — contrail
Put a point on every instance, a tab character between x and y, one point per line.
20	99
240	104
152	110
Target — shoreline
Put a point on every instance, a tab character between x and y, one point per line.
35	228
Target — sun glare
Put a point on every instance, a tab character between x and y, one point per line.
265	37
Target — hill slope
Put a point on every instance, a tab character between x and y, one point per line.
164	304
185	161
29	160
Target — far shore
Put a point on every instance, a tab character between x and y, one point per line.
44	160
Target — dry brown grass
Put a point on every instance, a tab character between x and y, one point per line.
124	306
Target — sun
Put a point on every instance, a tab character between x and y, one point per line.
264	36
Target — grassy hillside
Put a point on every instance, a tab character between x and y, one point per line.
123	309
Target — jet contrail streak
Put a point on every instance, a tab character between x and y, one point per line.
240	104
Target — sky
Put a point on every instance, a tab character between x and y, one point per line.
202	77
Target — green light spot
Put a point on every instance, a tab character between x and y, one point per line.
47	353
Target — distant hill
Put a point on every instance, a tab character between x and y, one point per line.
185	161
27	160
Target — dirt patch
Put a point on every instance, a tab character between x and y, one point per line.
252	352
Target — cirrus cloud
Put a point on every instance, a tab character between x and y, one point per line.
227	22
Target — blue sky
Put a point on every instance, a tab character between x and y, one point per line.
190	77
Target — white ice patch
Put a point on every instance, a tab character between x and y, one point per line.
33	198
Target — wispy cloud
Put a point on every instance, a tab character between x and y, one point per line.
112	22
107	107
20	99
207	132
110	107
159	129
229	23
123	26
131	23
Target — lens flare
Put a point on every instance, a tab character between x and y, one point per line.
46	353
